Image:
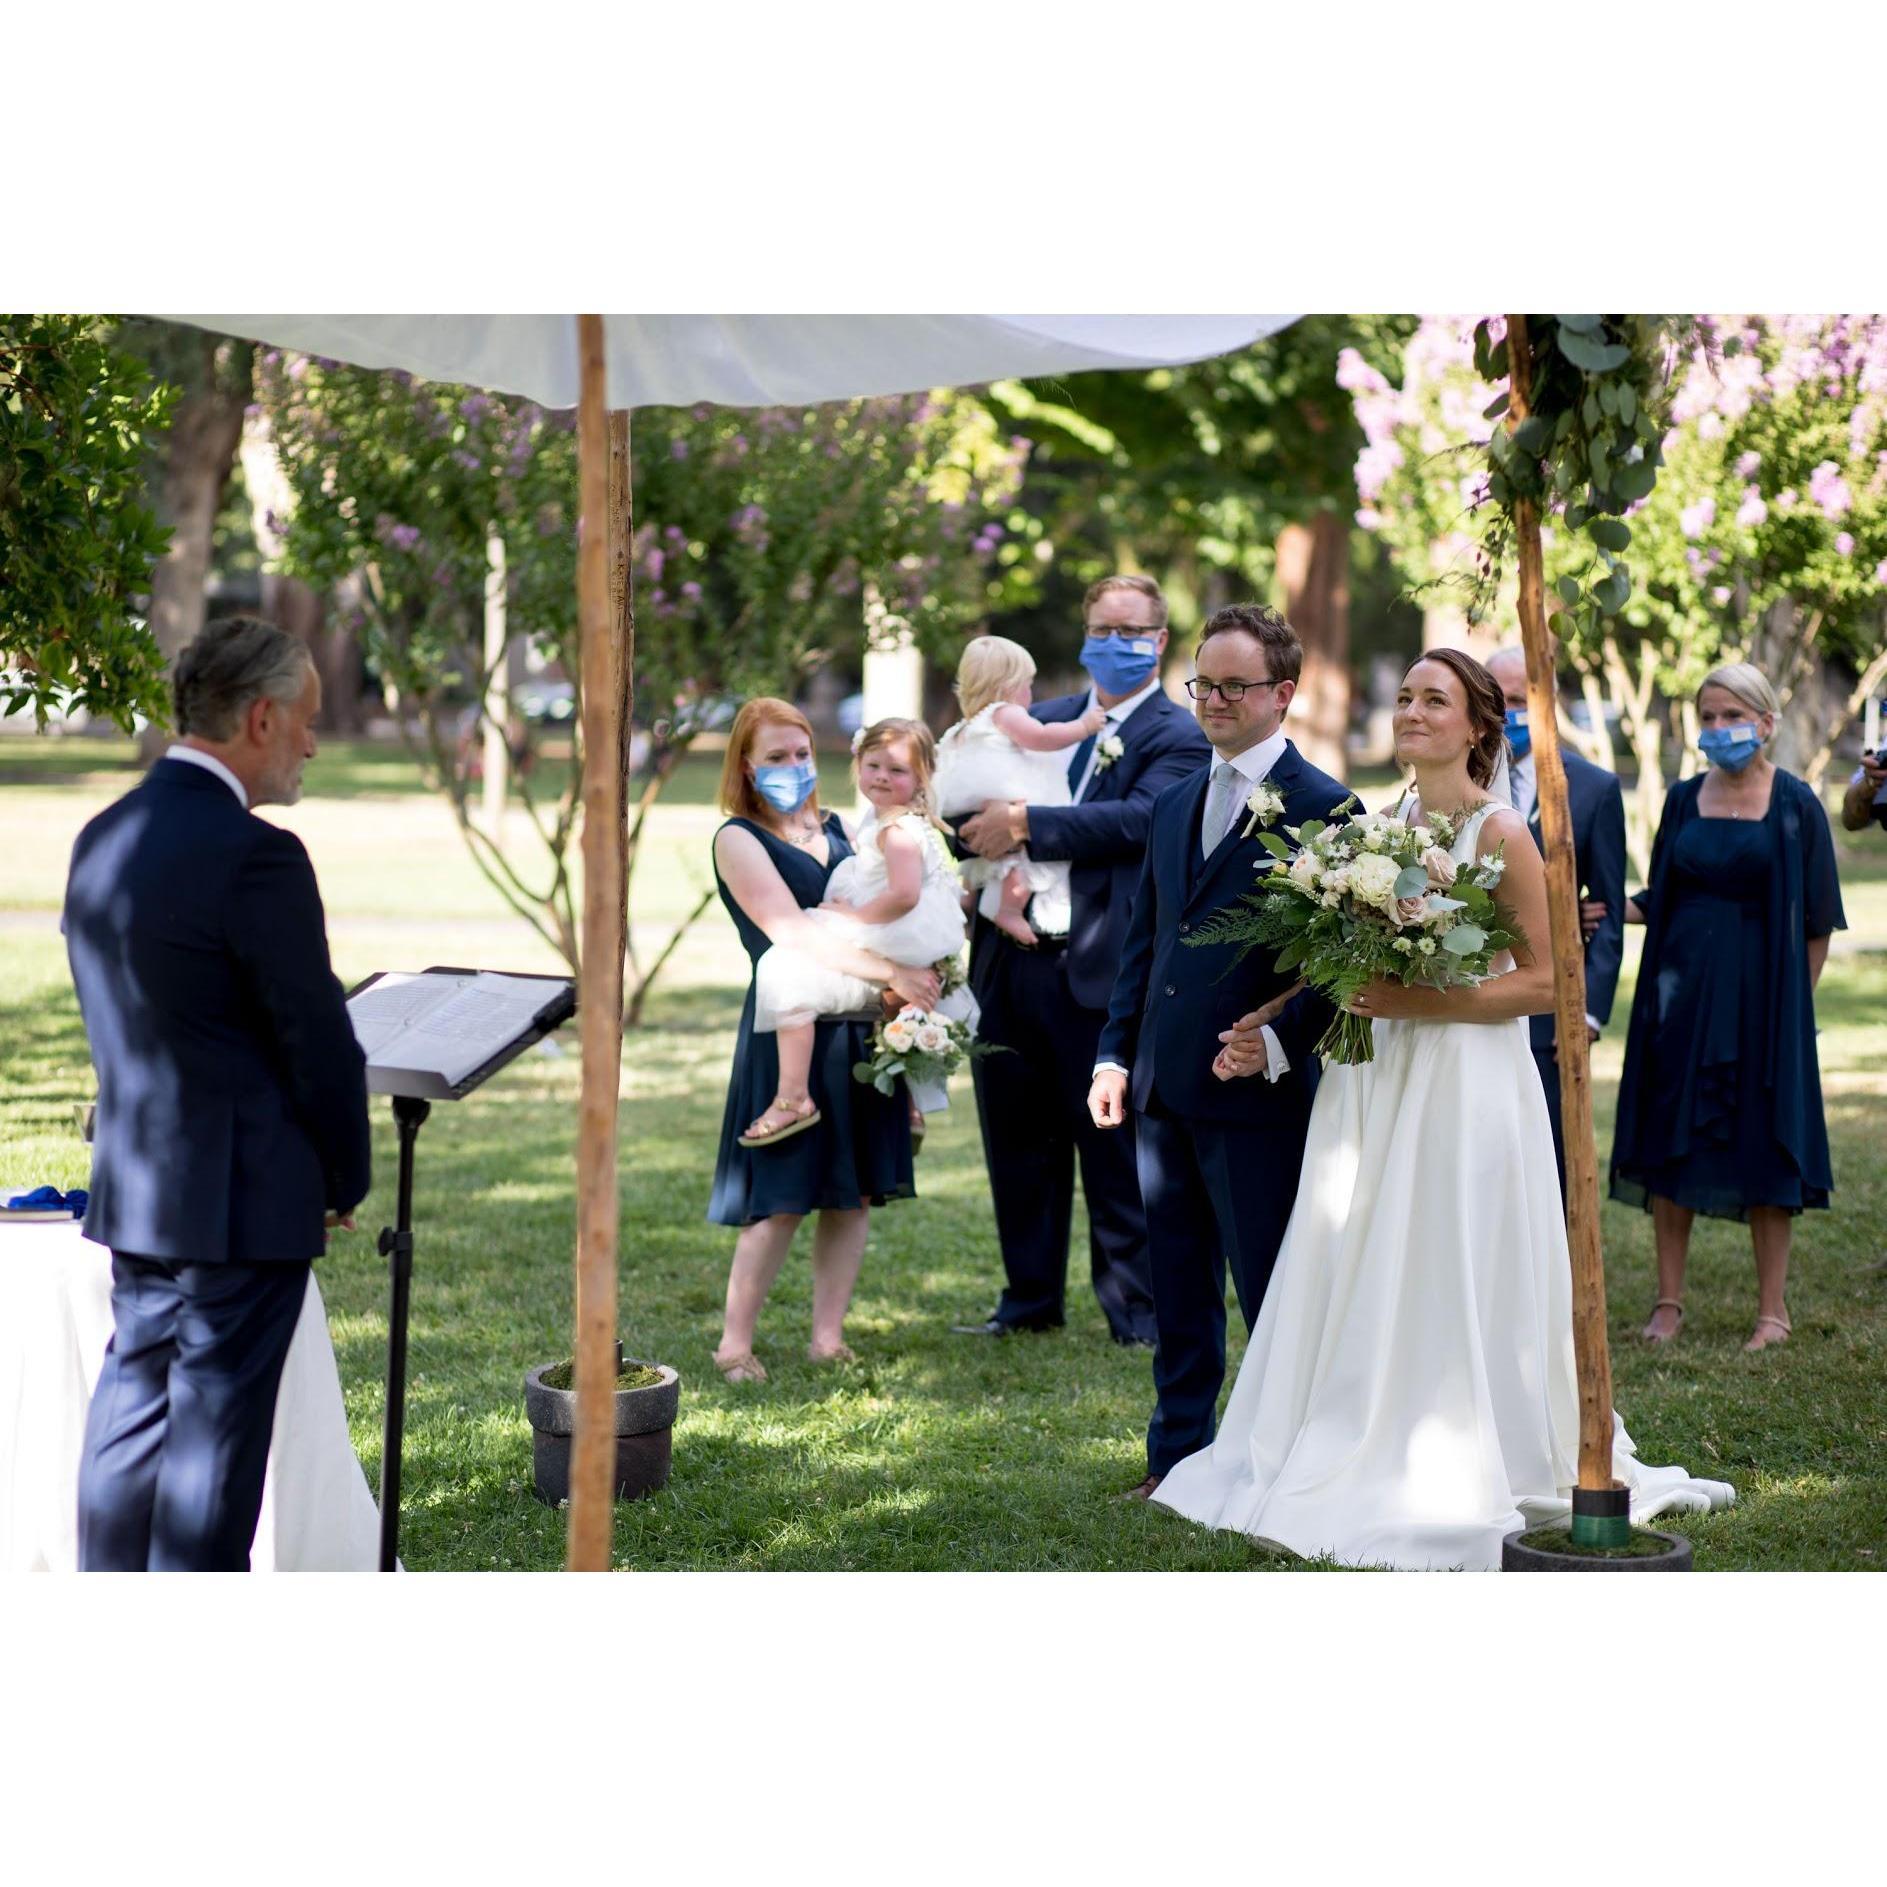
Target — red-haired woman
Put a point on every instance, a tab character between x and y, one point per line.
850	1147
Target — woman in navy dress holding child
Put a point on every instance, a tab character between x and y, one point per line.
841	1147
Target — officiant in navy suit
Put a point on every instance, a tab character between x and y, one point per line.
1597	804
231	1126
1220	1129
1047	1004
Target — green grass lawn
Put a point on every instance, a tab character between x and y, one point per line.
932	1451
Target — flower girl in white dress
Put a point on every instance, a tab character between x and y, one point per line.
1000	751
1408	1396
896	895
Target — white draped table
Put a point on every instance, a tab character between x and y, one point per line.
318	1514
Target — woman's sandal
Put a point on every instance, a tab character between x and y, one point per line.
1765	1343
840	1353
796	1122
746	1367
1664	1336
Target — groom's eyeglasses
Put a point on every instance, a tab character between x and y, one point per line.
1229	691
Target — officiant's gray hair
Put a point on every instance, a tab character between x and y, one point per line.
231	664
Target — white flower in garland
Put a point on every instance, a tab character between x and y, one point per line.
1264	803
1107	752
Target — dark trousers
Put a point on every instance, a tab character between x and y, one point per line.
1217	1197
1548	1064
1032	1103
177	1437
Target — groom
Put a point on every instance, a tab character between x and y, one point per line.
1220	1137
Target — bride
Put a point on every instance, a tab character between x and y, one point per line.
1408	1395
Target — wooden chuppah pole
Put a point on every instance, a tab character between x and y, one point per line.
1593	1356
599	1004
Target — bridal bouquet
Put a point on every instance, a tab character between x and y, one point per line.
1369	896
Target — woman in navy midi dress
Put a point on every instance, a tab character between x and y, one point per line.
848	1149
1720	1107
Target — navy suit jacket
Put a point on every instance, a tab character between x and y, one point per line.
1597	803
1172	997
232	1095
1104	838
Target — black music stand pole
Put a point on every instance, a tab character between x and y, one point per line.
396	1245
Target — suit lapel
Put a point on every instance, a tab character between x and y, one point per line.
1235	847
1194	866
1130	732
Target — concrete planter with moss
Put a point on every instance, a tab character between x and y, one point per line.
1553	1549
647	1397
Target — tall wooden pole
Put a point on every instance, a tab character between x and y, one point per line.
1594	1358
599	1011
622	627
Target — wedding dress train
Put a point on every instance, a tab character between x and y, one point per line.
1408	1395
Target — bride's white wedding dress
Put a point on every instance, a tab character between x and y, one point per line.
1408	1395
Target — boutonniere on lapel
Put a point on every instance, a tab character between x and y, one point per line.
1107	752
1264	803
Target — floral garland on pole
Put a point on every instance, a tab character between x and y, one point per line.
1588	446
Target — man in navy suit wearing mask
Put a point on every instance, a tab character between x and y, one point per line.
1597	804
1047	1004
232	1106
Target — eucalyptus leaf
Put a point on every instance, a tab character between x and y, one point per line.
1627	402
1411	881
1496	409
1464	940
1568	588
1591	355
1609	533
1581	324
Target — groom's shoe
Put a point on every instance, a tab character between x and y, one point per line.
1146	1489
997	1327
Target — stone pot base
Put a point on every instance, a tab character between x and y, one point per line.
642	1465
645	1421
1518	1557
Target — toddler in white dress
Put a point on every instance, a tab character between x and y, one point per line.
1000	751
897	895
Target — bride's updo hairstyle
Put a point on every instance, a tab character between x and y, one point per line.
1487	711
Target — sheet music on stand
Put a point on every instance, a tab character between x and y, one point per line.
436	1034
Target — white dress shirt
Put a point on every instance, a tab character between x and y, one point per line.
1116	715
1254	763
196	757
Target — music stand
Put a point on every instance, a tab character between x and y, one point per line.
413	1094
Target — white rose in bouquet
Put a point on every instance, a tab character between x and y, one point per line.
1306	870
1373	880
900	1034
932	1037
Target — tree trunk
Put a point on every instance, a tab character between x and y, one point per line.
198	453
332	647
1314	580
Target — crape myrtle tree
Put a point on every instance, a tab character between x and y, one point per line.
1749	521
78	414
766	543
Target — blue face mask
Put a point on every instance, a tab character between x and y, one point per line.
786	789
1733	747
1119	665
1519	734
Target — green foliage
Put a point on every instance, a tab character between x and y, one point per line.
1193	471
1589	448
77	540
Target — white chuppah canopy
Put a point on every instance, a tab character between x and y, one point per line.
600	363
747	360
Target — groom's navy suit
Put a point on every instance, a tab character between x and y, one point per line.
232	1115
1047	1006
1597	803
1218	1160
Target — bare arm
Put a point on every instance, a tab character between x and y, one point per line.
761	892
1817	957
1527	989
904	872
1035	736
